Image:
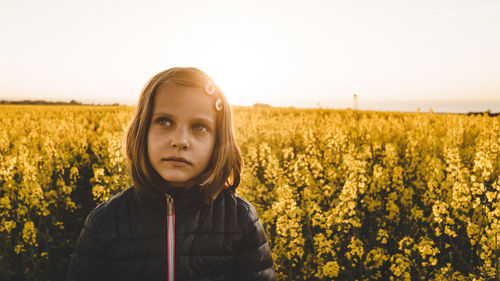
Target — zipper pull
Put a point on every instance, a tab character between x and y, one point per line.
170	238
170	205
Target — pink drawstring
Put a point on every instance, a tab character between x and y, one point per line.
170	238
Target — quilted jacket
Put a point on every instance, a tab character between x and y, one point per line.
126	238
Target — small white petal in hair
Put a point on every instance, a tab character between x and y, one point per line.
210	88
218	104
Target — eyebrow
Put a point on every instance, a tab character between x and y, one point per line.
196	118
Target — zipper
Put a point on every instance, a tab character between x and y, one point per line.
170	237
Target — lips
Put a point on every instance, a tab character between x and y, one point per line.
177	159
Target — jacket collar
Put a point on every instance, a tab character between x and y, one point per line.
186	201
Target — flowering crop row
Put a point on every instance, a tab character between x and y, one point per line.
342	194
375	196
56	164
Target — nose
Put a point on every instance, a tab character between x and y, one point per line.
179	145
180	139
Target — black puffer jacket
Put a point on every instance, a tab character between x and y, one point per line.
125	239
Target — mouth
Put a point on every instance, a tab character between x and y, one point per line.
177	159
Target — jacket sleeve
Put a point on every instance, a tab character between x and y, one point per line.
88	261
254	260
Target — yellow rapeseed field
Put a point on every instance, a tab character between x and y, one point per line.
342	194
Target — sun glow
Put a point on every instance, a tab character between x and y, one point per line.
284	53
237	67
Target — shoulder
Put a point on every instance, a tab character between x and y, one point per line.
103	209
247	209
244	212
102	216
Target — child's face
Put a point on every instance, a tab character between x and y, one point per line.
181	136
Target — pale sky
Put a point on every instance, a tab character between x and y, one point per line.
284	53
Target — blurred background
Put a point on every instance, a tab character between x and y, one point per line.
394	55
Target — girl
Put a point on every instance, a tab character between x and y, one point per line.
181	219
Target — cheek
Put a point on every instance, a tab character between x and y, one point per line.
150	143
204	147
210	148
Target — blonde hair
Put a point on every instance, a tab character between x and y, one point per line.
226	163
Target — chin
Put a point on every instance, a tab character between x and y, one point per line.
176	180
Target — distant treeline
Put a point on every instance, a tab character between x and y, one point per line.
44	102
257	105
484	113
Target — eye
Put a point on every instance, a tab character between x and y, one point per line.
162	121
200	128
